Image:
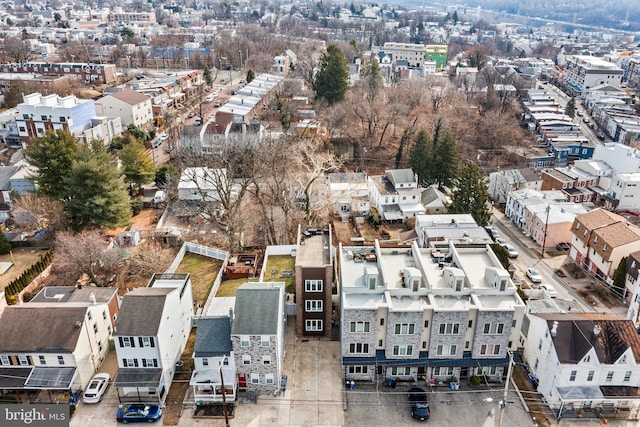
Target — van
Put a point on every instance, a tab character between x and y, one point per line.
159	197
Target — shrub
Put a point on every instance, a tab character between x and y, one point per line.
475	380
5	246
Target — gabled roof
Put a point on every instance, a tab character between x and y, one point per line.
598	218
130	96
141	312
398	176
25	329
576	337
213	337
257	309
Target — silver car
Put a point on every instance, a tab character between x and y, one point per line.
96	388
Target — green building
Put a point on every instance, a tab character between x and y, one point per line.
437	53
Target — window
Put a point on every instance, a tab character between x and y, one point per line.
590	376
609	376
255	378
572	376
244	341
42	360
104	315
493	328
62	119
60	360
358	348
126	342
205	361
359	327
24	360
449	329
446	350
313	325
44	117
401	370
246	359
470	324
313	305
266	360
404	329
382	322
313	285
149	363
426	323
146	342
490	349
443	370
268	378
358	369
95	328
403	350
487	370
380	343
89	315
627	376
4	360
130	363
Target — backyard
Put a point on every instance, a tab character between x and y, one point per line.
203	271
276	264
22	259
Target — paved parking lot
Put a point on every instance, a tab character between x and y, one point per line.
368	405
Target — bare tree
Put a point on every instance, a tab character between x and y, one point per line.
87	254
31	211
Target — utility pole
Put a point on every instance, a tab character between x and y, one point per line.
224	397
544	237
503	403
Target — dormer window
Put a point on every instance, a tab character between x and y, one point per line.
604	248
595	240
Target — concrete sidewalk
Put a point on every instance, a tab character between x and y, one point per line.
314	390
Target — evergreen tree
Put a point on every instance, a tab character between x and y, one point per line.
5	246
138	167
470	194
332	80
455	16
206	74
250	76
570	109
445	162
372	77
619	277
52	155
166	174
420	157
97	194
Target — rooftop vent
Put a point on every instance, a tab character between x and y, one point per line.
554	329
596	330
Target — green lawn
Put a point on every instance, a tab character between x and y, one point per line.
279	263
203	271
228	287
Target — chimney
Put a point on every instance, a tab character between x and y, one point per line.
554	329
231	315
596	330
92	298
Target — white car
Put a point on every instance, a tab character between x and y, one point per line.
534	275
513	252
164	137
210	97
96	388
550	290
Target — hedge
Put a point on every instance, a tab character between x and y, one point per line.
17	285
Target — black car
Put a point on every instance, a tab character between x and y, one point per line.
419	404
564	247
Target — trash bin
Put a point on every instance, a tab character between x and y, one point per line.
179	366
453	385
391	383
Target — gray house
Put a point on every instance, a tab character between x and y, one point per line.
258	336
413	313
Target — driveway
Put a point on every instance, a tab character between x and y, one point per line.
314	395
371	405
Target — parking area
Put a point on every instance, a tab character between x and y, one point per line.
371	405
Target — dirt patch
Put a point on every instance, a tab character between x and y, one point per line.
537	408
575	270
180	384
145	220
